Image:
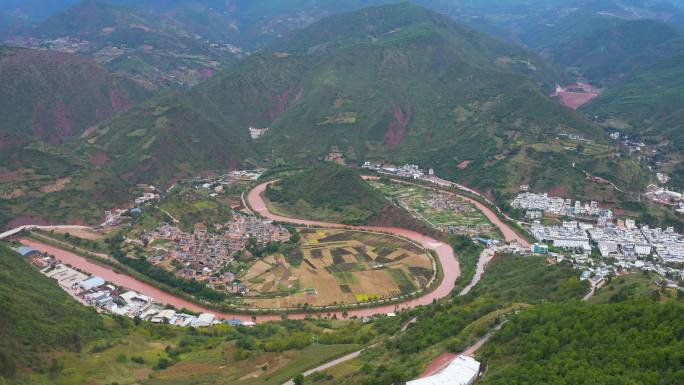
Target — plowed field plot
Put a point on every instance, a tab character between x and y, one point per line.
338	267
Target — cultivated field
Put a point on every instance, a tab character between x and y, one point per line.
338	266
442	210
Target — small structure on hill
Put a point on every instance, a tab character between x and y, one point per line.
257	133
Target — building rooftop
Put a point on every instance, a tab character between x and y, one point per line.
26	251
463	370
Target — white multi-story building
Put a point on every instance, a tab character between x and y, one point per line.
559	206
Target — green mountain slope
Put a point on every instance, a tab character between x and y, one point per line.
604	49
649	104
37	316
577	343
405	84
53	96
47	100
396	82
156	51
328	192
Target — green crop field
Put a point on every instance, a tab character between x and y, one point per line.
457	213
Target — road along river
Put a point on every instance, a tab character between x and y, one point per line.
445	254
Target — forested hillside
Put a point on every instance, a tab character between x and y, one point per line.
576	343
394	83
604	50
52	96
419	87
36	316
334	193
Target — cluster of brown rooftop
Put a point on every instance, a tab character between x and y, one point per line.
202	254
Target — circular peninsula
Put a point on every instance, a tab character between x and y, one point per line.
366	305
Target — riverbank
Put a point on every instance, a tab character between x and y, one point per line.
448	269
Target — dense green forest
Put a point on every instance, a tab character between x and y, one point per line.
576	343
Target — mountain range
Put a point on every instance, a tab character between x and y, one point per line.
450	95
52	96
157	53
393	83
472	107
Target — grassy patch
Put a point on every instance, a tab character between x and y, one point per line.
402	280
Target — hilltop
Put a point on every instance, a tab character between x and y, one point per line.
393	83
330	192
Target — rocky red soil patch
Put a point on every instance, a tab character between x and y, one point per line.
100	159
11	176
397	128
464	164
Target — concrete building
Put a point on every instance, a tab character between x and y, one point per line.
91	283
463	370
27	251
540	248
204	320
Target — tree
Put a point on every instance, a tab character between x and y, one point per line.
163	363
298	379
